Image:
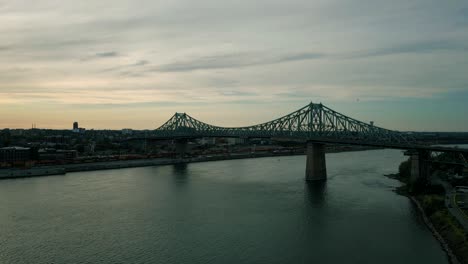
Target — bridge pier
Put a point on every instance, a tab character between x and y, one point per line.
316	168
181	146
420	169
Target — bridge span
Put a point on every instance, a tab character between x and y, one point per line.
316	125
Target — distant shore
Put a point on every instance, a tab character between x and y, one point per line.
120	164
107	165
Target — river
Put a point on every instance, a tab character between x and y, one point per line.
234	211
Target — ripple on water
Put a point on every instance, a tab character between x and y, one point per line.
237	211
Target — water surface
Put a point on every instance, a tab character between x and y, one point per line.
237	211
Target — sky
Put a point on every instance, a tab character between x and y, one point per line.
133	63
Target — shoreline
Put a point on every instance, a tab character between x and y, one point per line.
452	257
445	246
122	164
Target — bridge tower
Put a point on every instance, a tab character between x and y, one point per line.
316	168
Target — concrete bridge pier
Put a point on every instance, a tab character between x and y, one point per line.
420	168
316	168
181	146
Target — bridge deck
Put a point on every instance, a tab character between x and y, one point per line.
393	146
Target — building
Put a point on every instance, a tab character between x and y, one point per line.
127	131
5	137
207	141
15	155
57	140
54	154
235	141
76	128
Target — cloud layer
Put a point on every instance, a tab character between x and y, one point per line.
67	58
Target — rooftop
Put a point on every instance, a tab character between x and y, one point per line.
14	148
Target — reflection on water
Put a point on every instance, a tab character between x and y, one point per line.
180	169
316	192
180	174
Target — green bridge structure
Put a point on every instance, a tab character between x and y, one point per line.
315	125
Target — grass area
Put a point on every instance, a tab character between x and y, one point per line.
448	227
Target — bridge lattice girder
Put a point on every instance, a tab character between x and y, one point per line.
314	121
449	157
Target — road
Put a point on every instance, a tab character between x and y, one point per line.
450	202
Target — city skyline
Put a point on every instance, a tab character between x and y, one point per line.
113	65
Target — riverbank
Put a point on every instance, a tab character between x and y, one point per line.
120	164
107	165
445	246
163	161
430	204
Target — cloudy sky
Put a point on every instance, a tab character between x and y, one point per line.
127	63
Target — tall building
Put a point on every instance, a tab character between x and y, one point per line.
76	129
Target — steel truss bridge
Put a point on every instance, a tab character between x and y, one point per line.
311	122
317	125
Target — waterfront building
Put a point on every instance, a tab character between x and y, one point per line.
15	156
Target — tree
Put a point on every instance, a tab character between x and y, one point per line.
405	169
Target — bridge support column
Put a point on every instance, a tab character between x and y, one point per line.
181	147
315	166
420	169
